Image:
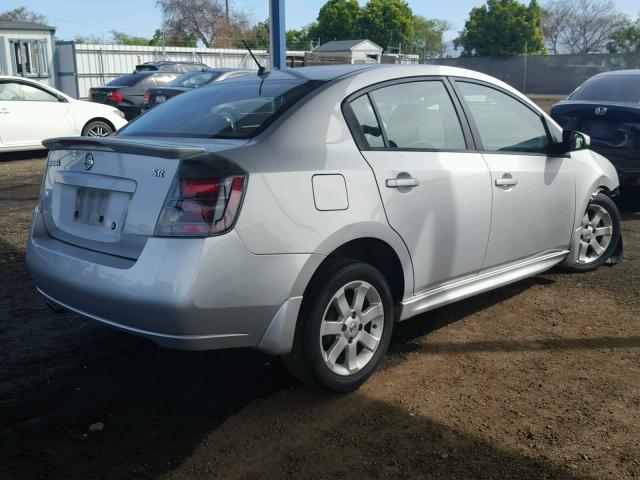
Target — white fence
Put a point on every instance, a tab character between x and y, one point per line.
95	65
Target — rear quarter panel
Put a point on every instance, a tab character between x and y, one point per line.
279	214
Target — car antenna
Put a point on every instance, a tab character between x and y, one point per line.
261	69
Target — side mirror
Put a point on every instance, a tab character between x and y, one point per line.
575	140
571	141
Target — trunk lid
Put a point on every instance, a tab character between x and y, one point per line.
99	94
106	194
614	129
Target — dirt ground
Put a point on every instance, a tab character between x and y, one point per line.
540	379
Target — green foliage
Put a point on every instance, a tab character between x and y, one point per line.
257	36
387	22
502	28
121	38
428	35
301	39
173	38
21	14
337	20
625	39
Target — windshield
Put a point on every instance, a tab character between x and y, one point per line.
194	79
232	109
125	81
610	88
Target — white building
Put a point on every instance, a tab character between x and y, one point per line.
345	51
26	49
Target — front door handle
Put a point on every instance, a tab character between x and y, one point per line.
3	110
402	182
506	181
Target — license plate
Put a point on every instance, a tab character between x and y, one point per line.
91	206
160	98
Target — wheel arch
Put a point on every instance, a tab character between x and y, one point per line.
97	119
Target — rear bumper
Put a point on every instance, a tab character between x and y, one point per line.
191	294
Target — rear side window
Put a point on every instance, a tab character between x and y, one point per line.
419	115
234	109
126	80
367	121
610	88
504	123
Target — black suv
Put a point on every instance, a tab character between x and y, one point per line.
126	93
174	67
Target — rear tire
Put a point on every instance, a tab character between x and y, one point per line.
97	128
344	327
599	235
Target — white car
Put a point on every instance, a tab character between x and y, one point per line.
31	112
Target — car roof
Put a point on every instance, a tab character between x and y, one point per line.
616	73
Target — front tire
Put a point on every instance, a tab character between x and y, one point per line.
97	128
343	329
598	236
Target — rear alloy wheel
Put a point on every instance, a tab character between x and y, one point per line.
97	128
599	234
343	329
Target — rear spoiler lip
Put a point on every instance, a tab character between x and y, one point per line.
123	146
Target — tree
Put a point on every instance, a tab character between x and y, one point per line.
556	14
21	14
503	28
626	39
337	20
205	20
300	39
387	22
429	35
173	38
121	38
257	36
590	25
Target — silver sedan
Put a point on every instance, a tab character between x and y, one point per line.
303	212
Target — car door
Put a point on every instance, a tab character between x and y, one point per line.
533	191
435	189
29	114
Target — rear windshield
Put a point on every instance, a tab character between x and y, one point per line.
146	68
125	81
610	88
234	109
194	79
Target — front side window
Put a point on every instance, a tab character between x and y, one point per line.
194	79
419	115
30	58
235	109
504	123
19	92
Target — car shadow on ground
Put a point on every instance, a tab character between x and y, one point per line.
157	405
27	155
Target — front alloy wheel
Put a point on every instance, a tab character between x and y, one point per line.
598	236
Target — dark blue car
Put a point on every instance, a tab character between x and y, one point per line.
607	108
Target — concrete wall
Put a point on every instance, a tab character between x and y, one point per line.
548	74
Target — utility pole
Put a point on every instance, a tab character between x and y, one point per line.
277	34
226	8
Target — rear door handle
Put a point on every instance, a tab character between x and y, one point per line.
506	182
3	110
402	182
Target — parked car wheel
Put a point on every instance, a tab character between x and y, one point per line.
599	234
344	328
97	128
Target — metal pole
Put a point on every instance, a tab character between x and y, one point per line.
277	34
524	75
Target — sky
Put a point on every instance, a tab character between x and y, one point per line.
142	17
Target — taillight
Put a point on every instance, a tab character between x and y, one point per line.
201	202
147	96
114	97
